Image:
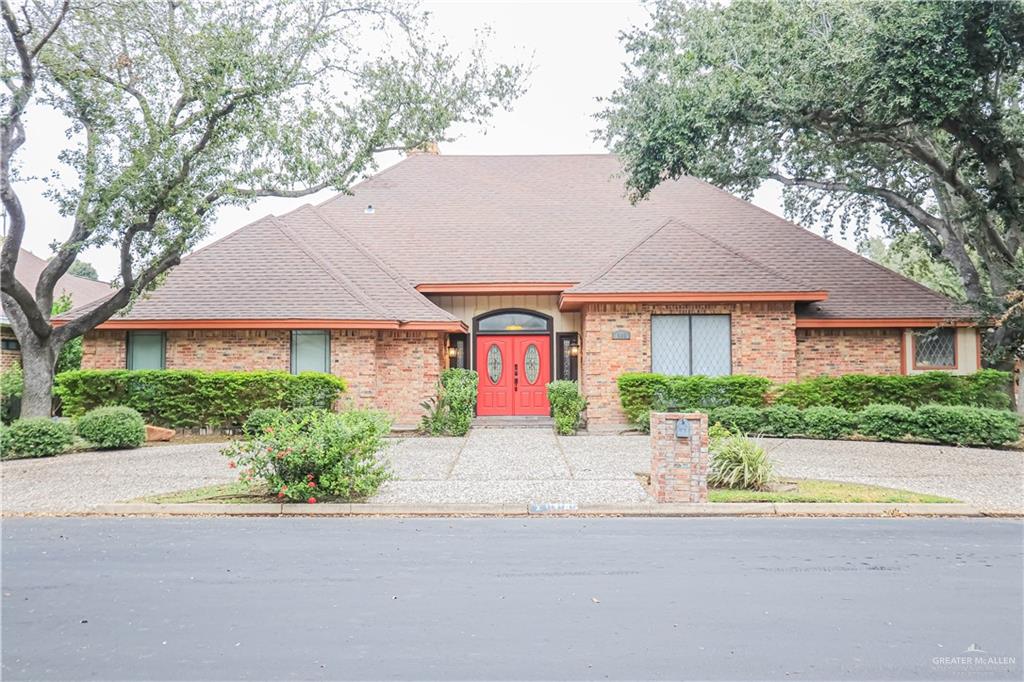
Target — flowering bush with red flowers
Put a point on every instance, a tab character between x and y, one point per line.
322	456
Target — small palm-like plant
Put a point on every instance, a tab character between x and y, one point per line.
738	462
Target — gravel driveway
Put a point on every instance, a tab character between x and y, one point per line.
78	481
991	479
518	466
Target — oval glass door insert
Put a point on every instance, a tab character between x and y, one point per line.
531	363
494	363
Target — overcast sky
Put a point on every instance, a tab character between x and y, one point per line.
576	57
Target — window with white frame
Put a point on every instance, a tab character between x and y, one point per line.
145	350
691	344
935	348
311	351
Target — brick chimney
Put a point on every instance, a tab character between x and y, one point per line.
425	148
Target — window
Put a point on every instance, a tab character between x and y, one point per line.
935	348
458	353
145	350
568	355
691	344
311	351
513	321
10	344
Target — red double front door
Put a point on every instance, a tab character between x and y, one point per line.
514	373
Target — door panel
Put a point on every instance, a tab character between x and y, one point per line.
513	375
494	366
531	374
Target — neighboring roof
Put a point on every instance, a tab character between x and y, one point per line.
81	289
296	269
446	220
673	260
521	224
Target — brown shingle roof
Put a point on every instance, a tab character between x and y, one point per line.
676	258
294	267
440	220
461	219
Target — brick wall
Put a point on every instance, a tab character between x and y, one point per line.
389	370
102	349
228	349
847	351
763	343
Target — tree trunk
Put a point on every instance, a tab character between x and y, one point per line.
37	362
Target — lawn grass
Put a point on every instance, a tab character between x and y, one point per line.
825	491
225	493
807	491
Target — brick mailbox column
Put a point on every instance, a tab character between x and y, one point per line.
679	464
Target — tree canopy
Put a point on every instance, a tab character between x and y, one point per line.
905	115
176	108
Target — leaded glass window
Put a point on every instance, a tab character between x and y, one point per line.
935	348
494	363
691	344
531	363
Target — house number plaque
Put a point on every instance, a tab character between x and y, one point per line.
620	335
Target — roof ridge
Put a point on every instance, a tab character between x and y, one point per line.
628	250
346	283
390	271
744	256
794	226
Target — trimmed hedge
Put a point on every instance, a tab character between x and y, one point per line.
987	388
37	437
828	423
113	427
966	425
641	392
947	424
190	398
886	422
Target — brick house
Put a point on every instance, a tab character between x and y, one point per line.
531	268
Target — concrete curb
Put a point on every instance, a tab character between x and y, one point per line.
632	510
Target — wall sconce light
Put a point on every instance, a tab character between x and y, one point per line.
574	350
452	352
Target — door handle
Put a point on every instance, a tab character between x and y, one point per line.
515	376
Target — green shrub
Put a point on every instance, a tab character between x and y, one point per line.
113	427
738	418
261	419
987	388
782	421
188	398
886	422
11	387
962	425
830	423
325	456
451	412
567	404
304	414
640	393
38	437
738	462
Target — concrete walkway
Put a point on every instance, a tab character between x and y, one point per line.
506	466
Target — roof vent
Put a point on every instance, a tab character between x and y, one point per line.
369	209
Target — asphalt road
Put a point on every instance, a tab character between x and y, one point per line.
307	598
